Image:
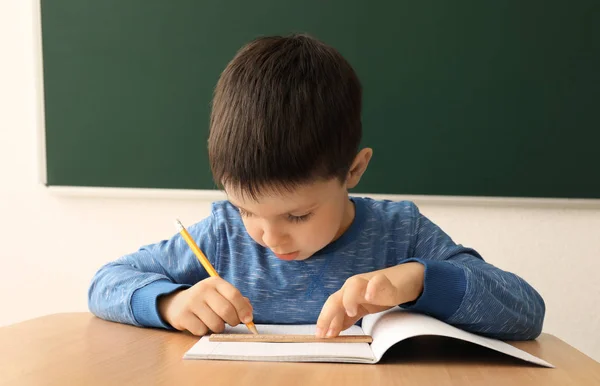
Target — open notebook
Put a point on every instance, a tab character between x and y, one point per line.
386	328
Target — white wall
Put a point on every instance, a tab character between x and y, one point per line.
52	245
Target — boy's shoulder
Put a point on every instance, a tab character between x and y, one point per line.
386	209
221	227
223	209
222	216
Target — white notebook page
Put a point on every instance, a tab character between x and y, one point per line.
392	326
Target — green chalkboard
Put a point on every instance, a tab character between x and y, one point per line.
477	98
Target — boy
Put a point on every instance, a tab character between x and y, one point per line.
290	244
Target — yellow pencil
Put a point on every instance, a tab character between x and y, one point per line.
204	261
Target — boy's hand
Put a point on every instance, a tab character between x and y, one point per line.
370	293
206	306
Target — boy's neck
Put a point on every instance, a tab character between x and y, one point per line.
349	213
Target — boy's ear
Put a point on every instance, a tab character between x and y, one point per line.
359	166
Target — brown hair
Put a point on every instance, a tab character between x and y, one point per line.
286	111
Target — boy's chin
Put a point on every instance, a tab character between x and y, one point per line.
303	257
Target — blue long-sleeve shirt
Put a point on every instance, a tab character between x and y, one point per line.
460	288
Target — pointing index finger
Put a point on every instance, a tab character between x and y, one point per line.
331	308
241	304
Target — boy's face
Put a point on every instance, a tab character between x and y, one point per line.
297	224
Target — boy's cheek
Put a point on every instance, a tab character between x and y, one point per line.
254	232
317	239
326	229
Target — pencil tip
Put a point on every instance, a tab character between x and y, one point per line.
252	328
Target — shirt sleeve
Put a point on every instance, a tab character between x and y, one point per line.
127	289
463	290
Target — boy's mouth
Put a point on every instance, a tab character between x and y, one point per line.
287	256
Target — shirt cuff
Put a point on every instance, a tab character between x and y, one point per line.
444	287
144	303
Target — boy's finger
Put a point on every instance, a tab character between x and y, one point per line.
222	307
240	303
208	317
191	323
349	321
381	292
330	309
354	294
335	327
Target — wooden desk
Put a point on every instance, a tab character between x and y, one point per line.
80	349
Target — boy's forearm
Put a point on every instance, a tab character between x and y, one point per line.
478	297
109	295
145	302
121	293
461	289
509	307
127	290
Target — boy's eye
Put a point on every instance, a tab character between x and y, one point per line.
243	213
299	218
290	217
